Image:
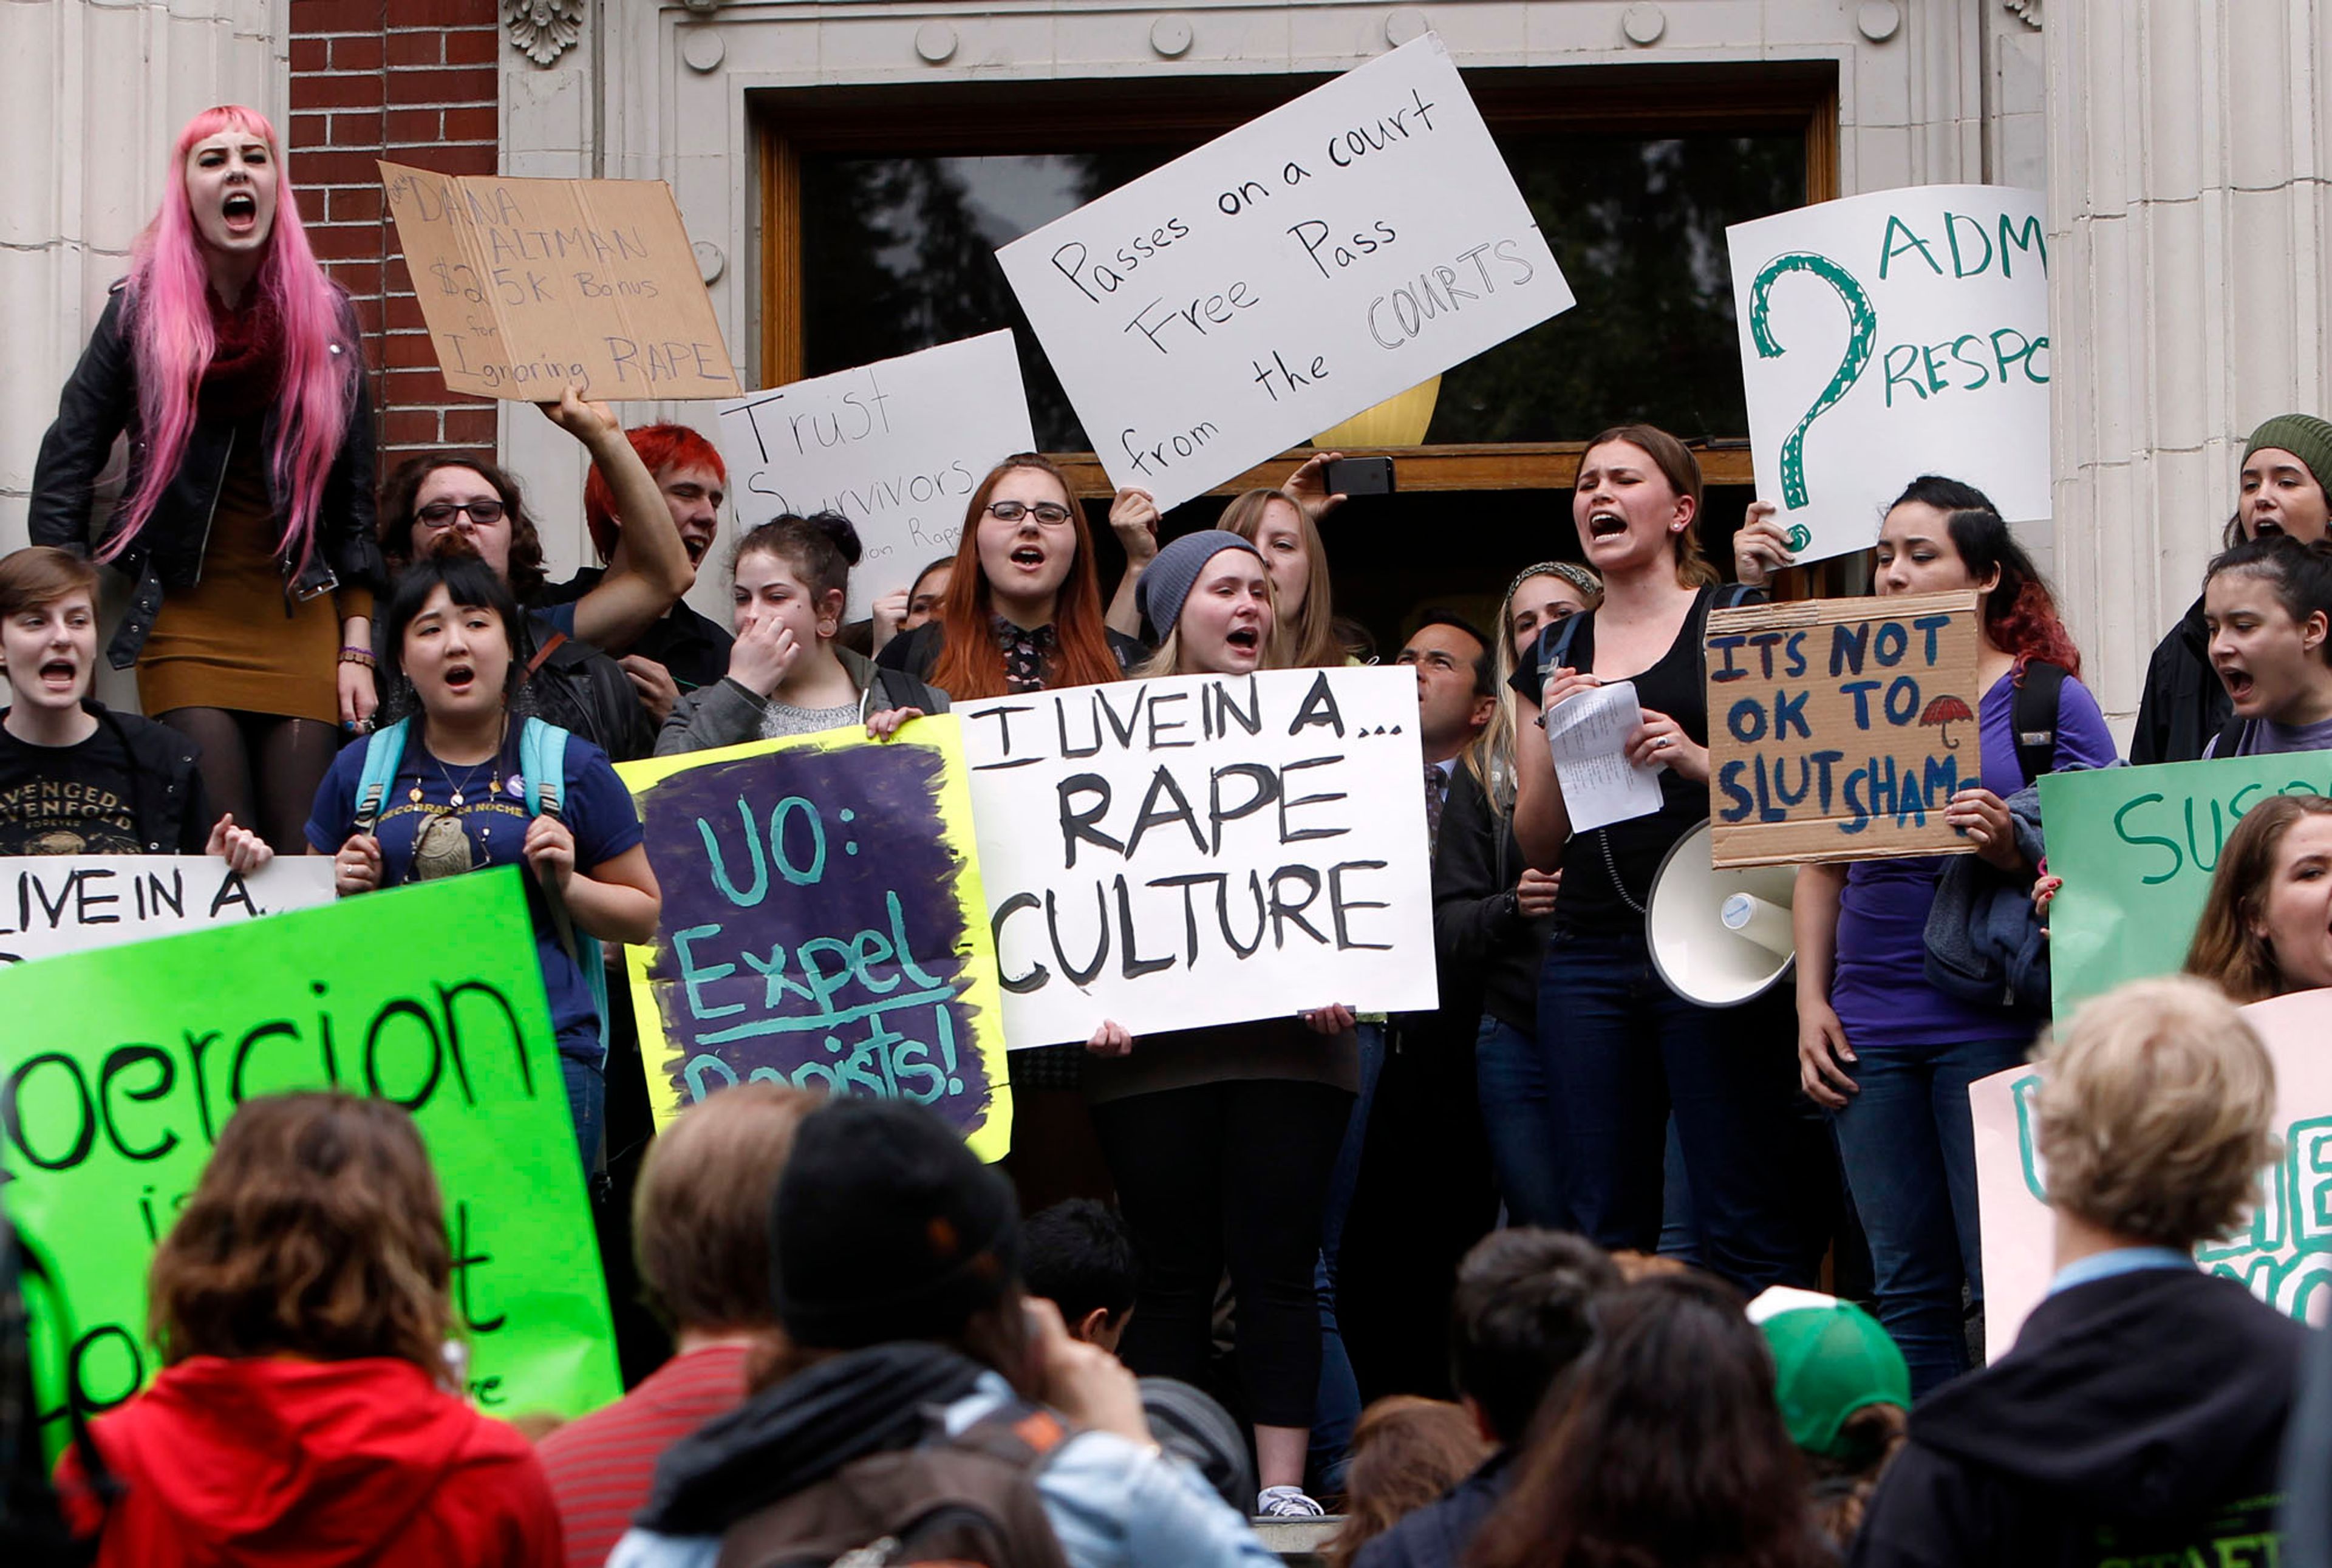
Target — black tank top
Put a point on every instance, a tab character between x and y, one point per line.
1607	872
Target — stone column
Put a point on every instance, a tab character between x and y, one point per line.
96	92
2190	236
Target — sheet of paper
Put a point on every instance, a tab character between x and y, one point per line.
1588	734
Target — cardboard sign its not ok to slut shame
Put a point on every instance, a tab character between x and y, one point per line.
1839	729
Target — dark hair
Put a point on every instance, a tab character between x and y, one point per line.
1943	494
2020	613
1079	1256
317	1230
942	564
1521	1312
2227	949
1681	469
821	548
2300	575
1440	618
470	583
397	509
1842	1483
1406	1453
1663	1444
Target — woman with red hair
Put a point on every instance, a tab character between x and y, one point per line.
1879	1045
246	517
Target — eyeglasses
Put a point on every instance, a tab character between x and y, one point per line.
1014	510
442	513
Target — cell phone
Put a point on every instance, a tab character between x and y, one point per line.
1359	476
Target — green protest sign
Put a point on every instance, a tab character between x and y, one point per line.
122	1065
2137	847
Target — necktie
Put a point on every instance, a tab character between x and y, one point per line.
1435	782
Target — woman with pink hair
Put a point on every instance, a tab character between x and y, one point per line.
245	520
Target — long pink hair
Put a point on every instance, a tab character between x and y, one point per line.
174	340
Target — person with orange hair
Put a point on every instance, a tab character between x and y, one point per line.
246	519
683	650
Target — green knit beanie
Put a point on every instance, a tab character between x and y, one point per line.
2305	436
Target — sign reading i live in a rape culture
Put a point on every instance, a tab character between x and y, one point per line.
823	926
528	284
122	1065
1891	335
1322	258
53	903
897	447
1839	729
2284	1255
1203	849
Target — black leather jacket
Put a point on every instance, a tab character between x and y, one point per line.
101	402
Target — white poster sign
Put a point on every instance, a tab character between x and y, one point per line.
2284	1255
1336	250
1891	335
1203	849
53	903
897	447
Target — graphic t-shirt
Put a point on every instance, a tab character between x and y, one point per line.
425	837
67	800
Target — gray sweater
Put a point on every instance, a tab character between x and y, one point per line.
728	714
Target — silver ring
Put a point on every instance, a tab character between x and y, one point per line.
1661	742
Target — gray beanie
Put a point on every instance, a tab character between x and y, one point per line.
1171	574
2303	436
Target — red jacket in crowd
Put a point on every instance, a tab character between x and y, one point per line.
293	1464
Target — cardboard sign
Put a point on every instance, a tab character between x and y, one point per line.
897	447
1891	335
53	903
2136	846
1337	250
529	283
124	1065
1839	729
823	927
1203	849
2284	1255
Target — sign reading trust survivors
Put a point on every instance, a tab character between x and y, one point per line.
1839	729
528	284
1336	250
1203	849
121	1066
897	447
823	927
1891	335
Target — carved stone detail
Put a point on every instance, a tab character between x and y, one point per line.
2027	11
543	30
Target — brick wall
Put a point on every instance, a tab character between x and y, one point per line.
414	82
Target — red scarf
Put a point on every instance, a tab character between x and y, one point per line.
246	366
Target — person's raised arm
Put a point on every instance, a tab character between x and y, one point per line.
1541	825
1308	486
653	570
1134	518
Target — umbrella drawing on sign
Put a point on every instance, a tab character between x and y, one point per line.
1945	711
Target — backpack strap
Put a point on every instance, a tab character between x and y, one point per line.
542	770
2236	731
2033	717
384	755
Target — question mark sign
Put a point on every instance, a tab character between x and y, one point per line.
1862	333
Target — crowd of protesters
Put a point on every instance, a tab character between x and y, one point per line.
1529	1277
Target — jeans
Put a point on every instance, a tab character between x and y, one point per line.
1908	1145
587	1101
1510	1079
1231	1173
1623	1052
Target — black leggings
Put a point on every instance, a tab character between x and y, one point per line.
263	768
1236	1172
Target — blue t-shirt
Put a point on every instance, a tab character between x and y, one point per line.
1880	985
489	828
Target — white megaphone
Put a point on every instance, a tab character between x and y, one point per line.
1719	938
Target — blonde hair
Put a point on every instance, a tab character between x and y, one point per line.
1494	770
1312	642
2155	1119
700	1213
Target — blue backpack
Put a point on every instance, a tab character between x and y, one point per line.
542	772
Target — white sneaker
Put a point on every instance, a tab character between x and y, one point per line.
1286	1502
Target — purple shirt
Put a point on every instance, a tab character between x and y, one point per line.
1880	986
